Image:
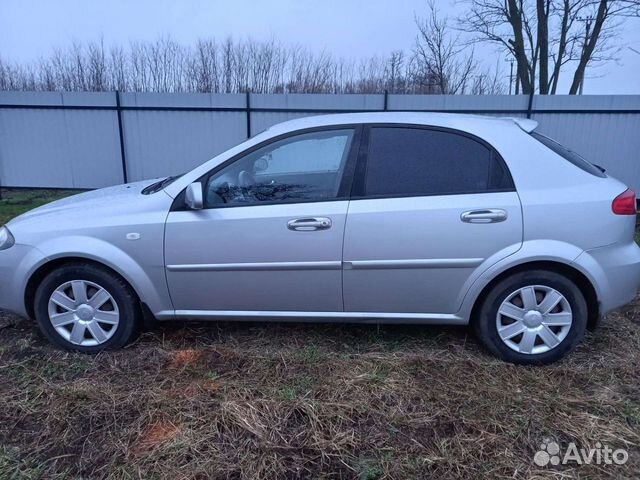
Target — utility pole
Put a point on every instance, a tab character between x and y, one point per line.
511	77
517	92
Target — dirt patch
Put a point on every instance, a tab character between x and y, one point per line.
185	358
159	432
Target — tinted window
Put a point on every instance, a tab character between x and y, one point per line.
304	167
569	155
414	161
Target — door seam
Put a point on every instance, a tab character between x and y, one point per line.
344	236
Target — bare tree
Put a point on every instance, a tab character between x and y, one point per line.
97	67
227	64
436	66
394	73
546	36
488	82
439	55
202	67
117	70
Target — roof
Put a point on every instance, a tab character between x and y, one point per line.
434	119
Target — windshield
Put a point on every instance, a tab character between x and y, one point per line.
157	186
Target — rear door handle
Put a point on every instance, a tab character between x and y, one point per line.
489	215
309	224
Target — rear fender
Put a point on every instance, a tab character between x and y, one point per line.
531	251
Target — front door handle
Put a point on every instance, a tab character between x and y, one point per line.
309	224
490	215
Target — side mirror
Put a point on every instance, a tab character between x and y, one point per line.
193	196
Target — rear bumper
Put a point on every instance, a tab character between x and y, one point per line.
16	266
614	272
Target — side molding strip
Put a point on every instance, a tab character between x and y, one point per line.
331	265
414	263
222	267
359	317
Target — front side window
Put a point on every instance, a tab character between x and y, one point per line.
416	161
305	167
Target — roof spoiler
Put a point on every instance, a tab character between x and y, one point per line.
525	124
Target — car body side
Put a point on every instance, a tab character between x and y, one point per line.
126	231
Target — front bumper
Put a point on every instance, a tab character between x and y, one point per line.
614	272
16	266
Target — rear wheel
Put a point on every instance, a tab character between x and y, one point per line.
86	308
532	317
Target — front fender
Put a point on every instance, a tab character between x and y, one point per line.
17	264
149	282
530	251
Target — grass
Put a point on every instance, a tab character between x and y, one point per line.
16	202
241	401
262	401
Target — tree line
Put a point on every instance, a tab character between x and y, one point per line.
436	64
236	66
544	38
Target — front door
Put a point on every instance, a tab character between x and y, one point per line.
270	236
432	207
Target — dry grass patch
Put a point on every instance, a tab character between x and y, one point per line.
311	401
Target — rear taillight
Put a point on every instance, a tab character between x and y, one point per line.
625	203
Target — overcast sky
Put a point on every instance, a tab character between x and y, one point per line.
30	29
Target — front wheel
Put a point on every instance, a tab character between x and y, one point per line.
532	317
86	308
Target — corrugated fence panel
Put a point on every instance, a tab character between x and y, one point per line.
306	105
498	104
169	142
585	125
72	139
58	148
609	140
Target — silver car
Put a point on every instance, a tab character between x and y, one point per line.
375	217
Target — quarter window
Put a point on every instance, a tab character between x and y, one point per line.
417	161
306	167
569	155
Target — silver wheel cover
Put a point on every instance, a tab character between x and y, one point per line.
534	319
83	313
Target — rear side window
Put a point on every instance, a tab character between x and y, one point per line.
415	161
569	155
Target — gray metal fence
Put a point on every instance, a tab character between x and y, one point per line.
91	140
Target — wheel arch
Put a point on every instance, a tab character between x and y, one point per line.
52	264
143	270
579	278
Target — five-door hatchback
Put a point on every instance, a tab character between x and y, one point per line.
375	217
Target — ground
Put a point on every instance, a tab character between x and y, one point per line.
15	202
254	401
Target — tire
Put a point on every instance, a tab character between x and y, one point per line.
87	325
514	291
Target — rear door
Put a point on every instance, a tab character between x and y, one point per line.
429	207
